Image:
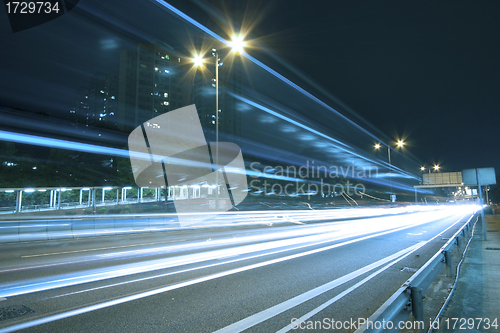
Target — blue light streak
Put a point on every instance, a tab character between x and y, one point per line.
262	65
62	144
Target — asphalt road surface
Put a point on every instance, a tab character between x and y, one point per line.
254	277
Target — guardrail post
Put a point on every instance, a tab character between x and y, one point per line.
417	306
447	259
459	244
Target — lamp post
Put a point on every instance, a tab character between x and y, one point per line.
399	144
237	44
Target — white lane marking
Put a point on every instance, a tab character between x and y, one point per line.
88	250
345	292
183	284
293	302
384	306
129	269
202	267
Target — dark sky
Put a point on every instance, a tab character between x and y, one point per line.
427	71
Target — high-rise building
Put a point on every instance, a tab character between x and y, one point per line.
150	83
103	103
79	112
98	104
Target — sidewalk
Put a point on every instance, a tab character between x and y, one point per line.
477	294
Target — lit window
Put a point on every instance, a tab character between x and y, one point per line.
112	97
165	103
102	92
167	57
165	95
156	68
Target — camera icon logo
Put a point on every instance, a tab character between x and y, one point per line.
171	150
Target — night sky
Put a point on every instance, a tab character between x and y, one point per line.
426	71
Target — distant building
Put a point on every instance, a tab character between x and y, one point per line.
98	104
79	112
103	103
154	79
150	84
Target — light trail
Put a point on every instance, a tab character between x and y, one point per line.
277	309
293	302
294	237
194	281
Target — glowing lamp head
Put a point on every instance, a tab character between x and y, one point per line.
401	143
422	168
237	44
377	146
198	60
436	167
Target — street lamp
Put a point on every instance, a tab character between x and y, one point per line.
237	44
399	144
436	168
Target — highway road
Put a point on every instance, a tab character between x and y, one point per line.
254	276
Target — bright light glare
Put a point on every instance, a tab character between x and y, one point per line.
237	44
436	167
400	143
377	146
422	168
198	60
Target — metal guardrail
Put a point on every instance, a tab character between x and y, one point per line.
409	297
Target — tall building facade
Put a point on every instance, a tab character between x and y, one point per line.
154	79
98	104
150	83
103	102
79	112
